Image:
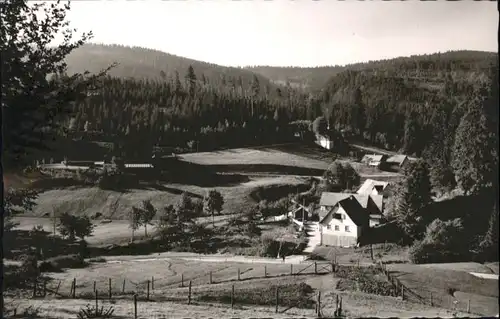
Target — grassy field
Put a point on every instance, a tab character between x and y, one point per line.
355	304
115	232
292	159
387	253
449	288
116	205
169	273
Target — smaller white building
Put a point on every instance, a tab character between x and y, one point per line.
324	142
372	187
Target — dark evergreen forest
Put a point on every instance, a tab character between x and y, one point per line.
413	104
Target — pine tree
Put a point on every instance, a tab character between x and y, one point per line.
191	80
488	248
474	153
35	105
412	198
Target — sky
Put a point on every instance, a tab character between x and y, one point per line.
290	33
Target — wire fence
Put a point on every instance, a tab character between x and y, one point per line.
228	280
226	274
434	298
198	287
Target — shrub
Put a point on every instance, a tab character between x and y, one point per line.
58	263
296	295
75	226
95	312
443	242
365	279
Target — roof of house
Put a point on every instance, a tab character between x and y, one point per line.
142	165
370	184
331	199
397	159
353	208
373	158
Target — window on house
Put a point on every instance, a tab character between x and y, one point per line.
328	227
347	228
337	227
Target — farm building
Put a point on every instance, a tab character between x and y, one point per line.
373	159
343	224
373	187
398	161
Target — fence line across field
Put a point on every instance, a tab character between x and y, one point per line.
123	284
429	299
156	286
319	306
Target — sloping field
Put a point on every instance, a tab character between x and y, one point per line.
248	156
449	288
464	266
116	205
356	307
170	273
355	304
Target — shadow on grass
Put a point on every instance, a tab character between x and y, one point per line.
20	242
268	168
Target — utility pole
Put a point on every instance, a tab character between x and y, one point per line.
303	210
54	221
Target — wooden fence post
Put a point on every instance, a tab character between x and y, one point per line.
336	304
57	289
431	298
96	303
319	305
468	306
189	293
34	288
152	283
94	285
265	271
340	307
315	268
239	274
277	298
210	277
123	286
74	288
291	269
182	280
147	296
109	288
135	306
232	297
402	292
44	288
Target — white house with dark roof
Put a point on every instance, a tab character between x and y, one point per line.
343	223
373	205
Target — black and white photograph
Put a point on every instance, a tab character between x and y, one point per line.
249	159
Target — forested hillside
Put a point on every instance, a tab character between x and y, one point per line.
187	114
143	63
438	64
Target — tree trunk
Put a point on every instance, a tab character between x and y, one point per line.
213	219
145	230
133	235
